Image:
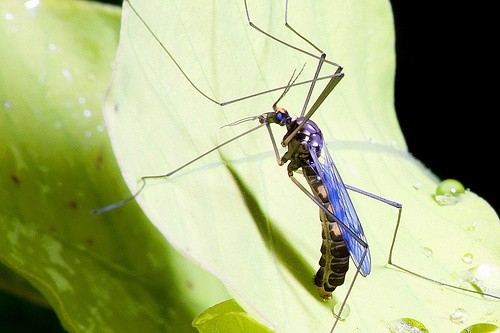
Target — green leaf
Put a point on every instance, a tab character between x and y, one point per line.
241	218
227	316
112	272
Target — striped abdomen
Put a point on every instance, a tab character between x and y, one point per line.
334	261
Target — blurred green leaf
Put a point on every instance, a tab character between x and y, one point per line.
113	272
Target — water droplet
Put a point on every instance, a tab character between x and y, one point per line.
67	74
7	105
87	113
472	226
427	251
346	311
407	325
467	258
31	4
417	185
484	278
58	124
459	316
88	134
9	16
450	187
82	100
100	128
449	192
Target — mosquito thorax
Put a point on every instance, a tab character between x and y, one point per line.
309	134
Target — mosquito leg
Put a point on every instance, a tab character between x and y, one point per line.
286	87
320	205
211	99
313	83
396	229
166	175
281	41
335	79
275	146
388	202
296	32
344	302
329	76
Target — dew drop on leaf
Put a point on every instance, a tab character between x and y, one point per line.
450	187
427	251
407	325
449	192
468	258
484	278
459	316
472	226
346	311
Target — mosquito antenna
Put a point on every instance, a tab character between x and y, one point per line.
290	84
240	121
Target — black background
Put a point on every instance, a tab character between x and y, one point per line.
445	108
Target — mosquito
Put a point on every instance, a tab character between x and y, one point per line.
307	153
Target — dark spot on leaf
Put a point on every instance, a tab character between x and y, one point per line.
189	284
73	204
15	179
99	160
52	229
89	242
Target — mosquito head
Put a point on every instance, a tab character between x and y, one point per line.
278	116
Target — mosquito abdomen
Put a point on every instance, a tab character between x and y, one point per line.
334	261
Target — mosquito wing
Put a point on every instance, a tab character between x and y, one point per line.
344	211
